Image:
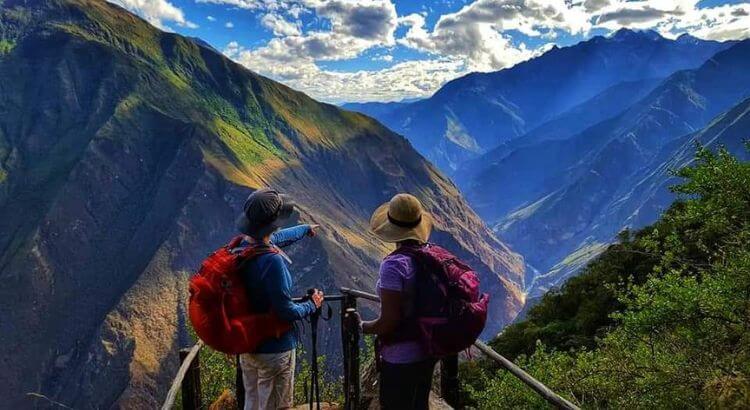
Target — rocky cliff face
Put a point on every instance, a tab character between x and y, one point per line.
125	155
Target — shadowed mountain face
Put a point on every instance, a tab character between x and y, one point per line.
558	201
478	112
125	156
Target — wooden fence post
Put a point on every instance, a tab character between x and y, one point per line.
350	342
191	384
449	381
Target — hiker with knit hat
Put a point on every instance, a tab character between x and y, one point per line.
268	372
405	367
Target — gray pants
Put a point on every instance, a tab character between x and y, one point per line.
268	380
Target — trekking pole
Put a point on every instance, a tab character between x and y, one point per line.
314	387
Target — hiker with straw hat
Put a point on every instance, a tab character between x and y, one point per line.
405	367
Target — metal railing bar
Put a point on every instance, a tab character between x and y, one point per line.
328	298
360	294
177	382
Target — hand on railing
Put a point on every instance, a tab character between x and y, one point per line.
354	318
317	298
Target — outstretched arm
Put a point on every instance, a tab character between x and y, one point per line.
288	236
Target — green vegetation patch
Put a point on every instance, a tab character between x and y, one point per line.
659	320
246	145
6	46
218	372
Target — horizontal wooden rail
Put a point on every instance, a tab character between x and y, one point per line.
177	382
360	294
516	371
328	298
544	391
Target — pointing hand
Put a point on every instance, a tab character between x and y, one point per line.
313	230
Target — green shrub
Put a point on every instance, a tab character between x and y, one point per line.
658	321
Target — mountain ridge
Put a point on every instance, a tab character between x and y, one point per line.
571	188
479	111
126	154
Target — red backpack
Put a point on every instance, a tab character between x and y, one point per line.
219	308
449	311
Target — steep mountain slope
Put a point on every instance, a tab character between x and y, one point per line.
559	201
607	104
647	193
125	156
473	114
600	107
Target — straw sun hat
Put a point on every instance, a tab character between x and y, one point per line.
401	219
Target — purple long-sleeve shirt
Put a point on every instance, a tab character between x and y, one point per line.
397	273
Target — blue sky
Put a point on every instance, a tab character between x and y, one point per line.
385	50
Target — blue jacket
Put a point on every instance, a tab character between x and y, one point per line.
269	286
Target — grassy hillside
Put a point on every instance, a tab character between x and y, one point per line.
659	320
125	156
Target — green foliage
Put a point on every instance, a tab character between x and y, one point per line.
331	388
218	372
575	315
660	320
367	352
6	46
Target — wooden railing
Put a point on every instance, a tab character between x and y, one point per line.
188	376
190	385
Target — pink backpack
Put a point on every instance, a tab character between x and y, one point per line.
449	310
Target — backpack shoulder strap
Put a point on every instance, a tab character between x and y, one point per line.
409	250
235	242
251	251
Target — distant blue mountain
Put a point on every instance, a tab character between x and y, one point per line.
376	109
559	200
478	112
602	106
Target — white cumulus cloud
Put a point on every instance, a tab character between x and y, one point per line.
402	80
157	12
479	36
477	31
280	26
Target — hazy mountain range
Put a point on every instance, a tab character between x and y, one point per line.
554	152
126	154
475	113
559	201
376	109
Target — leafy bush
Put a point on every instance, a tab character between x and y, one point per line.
660	320
331	387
